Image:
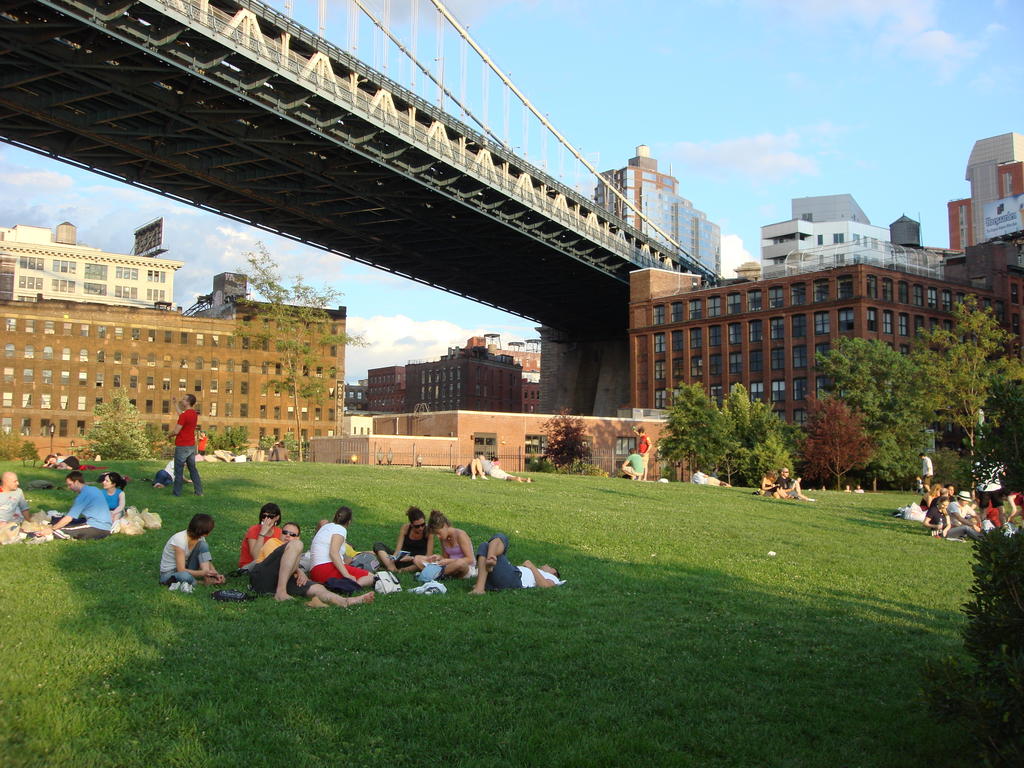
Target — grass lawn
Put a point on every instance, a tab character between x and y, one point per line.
677	640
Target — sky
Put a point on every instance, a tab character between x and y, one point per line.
749	103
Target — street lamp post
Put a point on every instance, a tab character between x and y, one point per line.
51	437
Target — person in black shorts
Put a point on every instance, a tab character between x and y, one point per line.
279	575
495	571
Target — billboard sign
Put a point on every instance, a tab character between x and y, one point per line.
1004	217
149	237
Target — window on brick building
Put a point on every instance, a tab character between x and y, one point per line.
777	328
756	360
734	303
696	338
677	341
947	299
797	294
918	295
904	324
821	323
715	365
775	297
757	390
735	362
677	311
755	332
659	314
735	333
696	366
845	320
659	370
886	289
872	319
754	301
778	358
659	345
872	287
887	321
821	290
800	356
695	309
660	398
714	306
800	388
844	287
715	336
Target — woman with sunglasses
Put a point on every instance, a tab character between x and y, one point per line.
258	535
413	540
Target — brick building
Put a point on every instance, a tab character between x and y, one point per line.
995	169
385	389
767	334
62	358
470	378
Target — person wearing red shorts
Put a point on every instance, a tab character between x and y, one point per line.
327	553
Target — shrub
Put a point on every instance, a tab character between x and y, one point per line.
540	464
28	452
988	691
580	467
10	446
566	439
233	439
117	431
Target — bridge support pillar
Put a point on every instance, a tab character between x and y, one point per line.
587	376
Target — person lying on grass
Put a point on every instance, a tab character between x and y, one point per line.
327	553
186	557
279	575
701	478
498	473
413	540
495	571
456	544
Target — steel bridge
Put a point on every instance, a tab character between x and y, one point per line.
233	107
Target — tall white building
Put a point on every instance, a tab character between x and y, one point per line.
654	193
36	262
819	221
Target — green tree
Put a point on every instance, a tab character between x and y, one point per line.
696	432
757	439
1001	440
889	390
294	319
28	453
233	439
117	431
10	445
961	365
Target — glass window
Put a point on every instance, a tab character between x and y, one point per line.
659	318
845	318
821	386
659	369
756	360
821	323
844	287
933	298
821	349
695	309
800	356
677	311
757	390
735	333
715	365
800	388
777	328
904	324
754	301
696	336
735	362
778	358
754	331
872	290
735	304
799	325
714	306
677	341
778	390
659	346
798	294
696	366
947	299
918	295
886	289
821	290
872	319
887	321
715	336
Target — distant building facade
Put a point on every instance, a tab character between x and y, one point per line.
469	378
768	334
36	262
819	221
995	170
655	194
62	358
356	397
385	389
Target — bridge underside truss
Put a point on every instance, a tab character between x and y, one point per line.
131	91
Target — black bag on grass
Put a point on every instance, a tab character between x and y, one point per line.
232	595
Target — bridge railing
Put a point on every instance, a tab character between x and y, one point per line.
612	235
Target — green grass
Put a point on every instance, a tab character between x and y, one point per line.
677	640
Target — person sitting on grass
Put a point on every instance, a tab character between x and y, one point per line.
113	491
186	557
456	544
495	571
279	575
413	541
633	466
789	488
13	504
89	517
769	484
500	474
700	478
327	553
257	535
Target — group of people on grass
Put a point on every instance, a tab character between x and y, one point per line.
92	515
782	485
272	556
959	515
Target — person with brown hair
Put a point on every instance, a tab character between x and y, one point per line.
186	557
413	540
184	434
327	553
456	544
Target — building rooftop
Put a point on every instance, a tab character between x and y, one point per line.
899	258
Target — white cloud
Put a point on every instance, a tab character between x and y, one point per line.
765	157
398	339
733	254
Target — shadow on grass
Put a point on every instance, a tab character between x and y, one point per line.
657	665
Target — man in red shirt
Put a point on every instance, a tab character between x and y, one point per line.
184	434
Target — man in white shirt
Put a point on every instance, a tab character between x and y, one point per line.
927	472
494	571
13	504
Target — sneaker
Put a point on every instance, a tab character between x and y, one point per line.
175	586
187	588
58	534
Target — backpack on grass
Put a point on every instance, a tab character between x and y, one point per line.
367	561
386	583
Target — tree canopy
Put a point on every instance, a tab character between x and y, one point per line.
117	430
